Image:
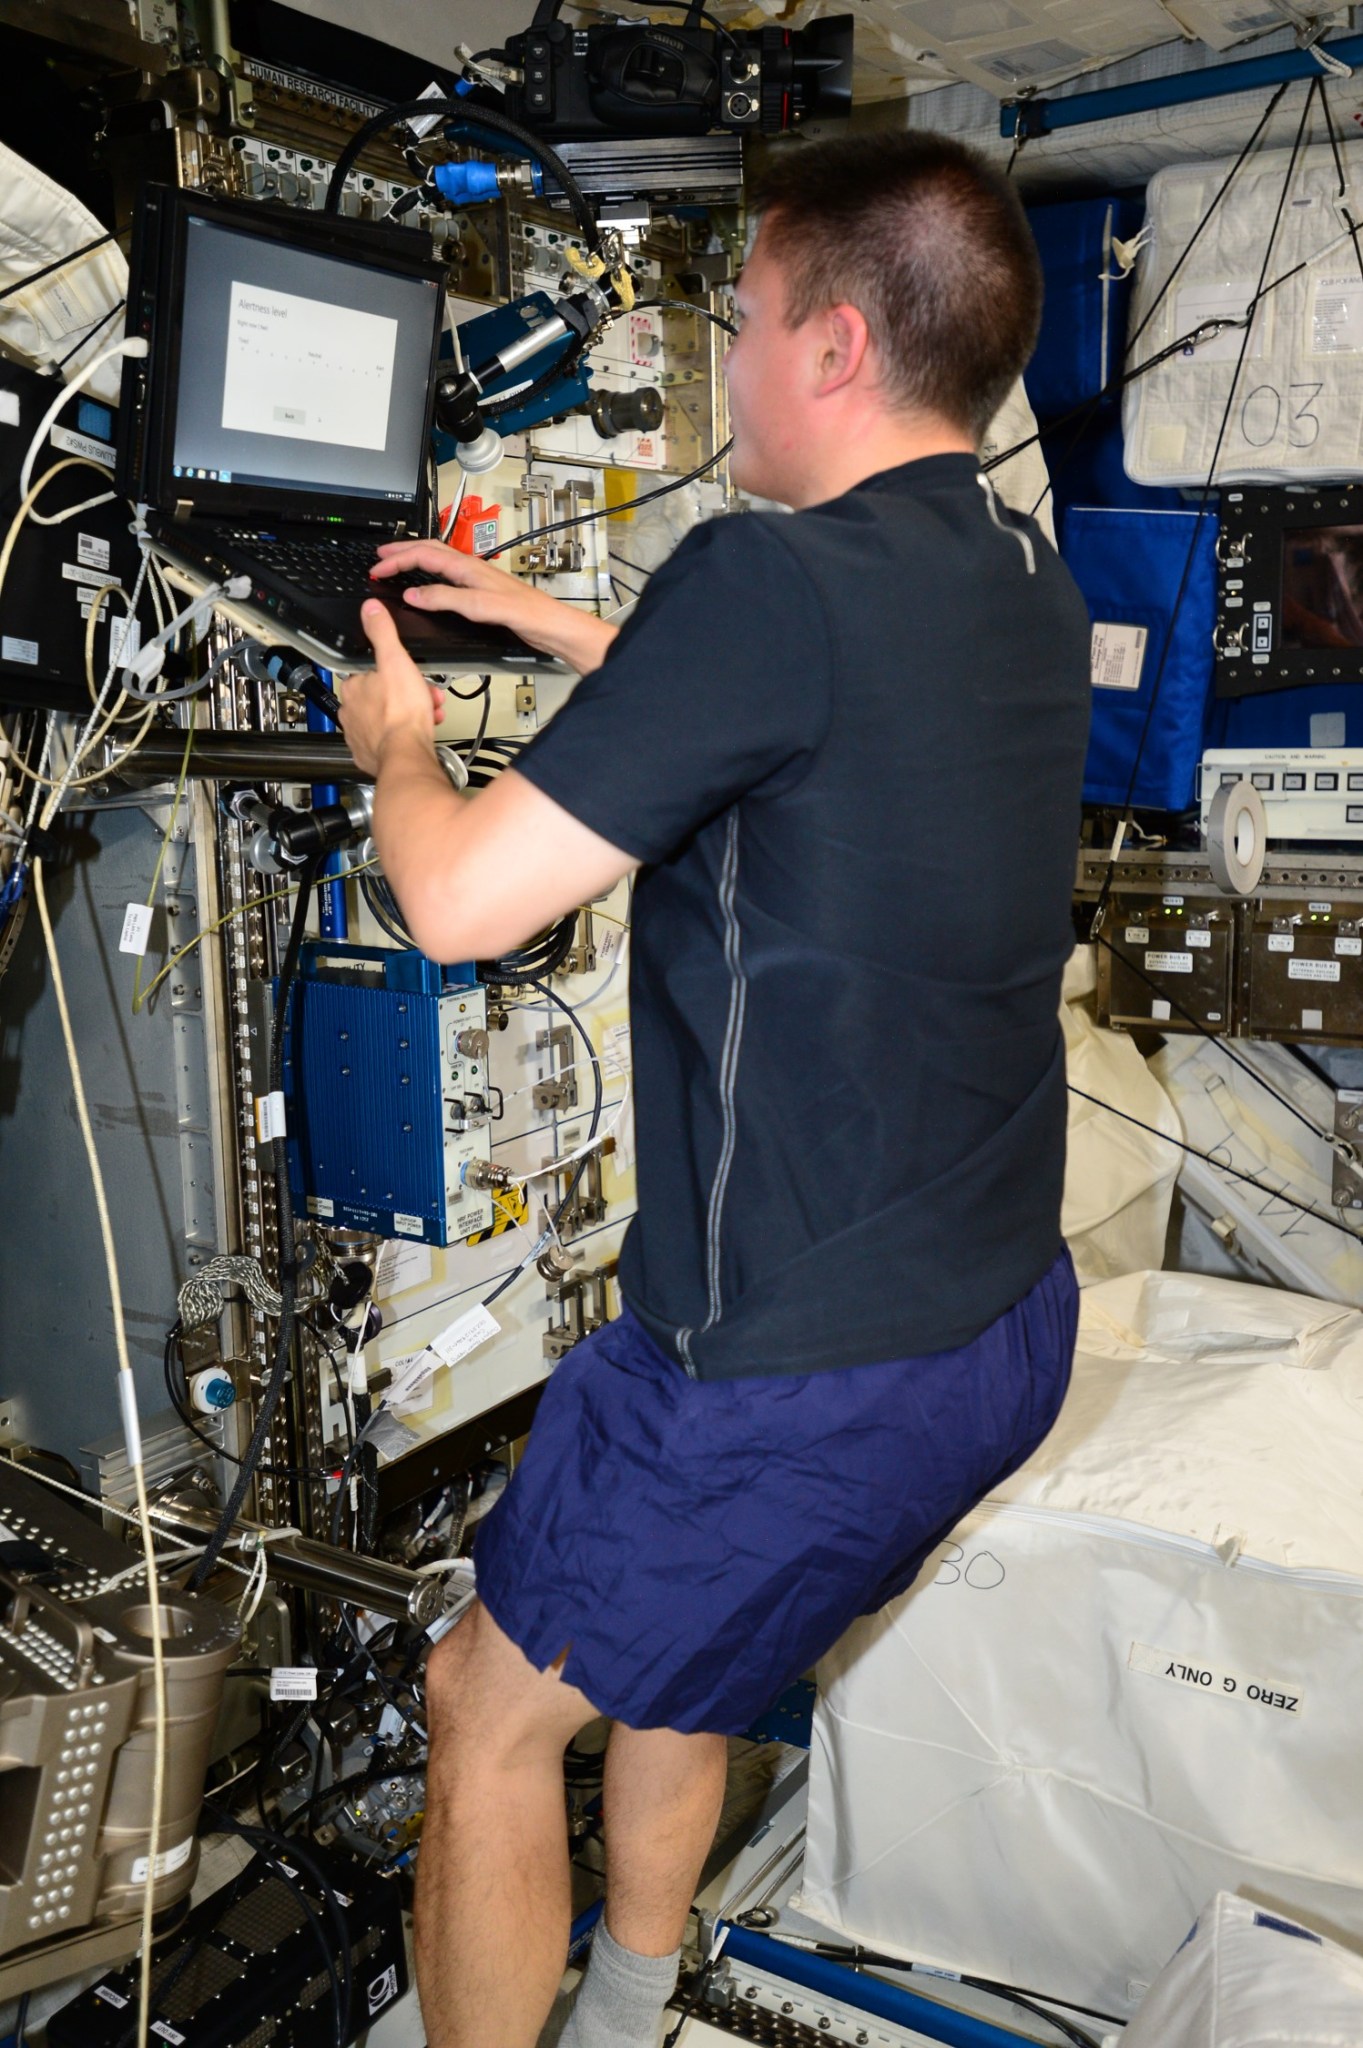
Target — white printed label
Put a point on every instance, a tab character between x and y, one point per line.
25	651
1217	300
293	1682
1320	909
92	551
305	370
411	1388
1337	316
1313	1020
321	1205
167	2033
1313	970
615	1049
407	1226
168	1861
1281	942
110	1996
71	443
9	408
92	578
1160	1012
270	1120
465	1335
1176	900
402	1266
1348	948
125	637
136	929
1170	963
1195	1676
1197	938
1137	935
1117	656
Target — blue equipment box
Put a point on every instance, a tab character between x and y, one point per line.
386	1093
1130	567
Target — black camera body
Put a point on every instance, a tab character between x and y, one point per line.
655	79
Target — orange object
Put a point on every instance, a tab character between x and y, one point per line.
475	527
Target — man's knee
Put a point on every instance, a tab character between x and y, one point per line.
481	1690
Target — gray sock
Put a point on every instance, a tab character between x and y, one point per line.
620	2000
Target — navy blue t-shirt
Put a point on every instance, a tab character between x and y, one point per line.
847	744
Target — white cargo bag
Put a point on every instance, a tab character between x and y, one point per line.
1245	1977
1119	1173
64	317
1297	411
1130	1681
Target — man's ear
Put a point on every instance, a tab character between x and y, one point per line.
842	348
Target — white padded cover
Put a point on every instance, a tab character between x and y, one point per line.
66	313
1297	411
1246	1978
1131	1680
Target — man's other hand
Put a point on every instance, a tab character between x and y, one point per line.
396	697
488	596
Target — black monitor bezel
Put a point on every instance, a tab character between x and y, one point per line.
1255	521
157	268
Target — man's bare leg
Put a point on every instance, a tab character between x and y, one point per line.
493	1896
662	1800
663	1794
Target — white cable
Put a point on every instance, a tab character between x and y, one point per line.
128	1400
592	1145
131	345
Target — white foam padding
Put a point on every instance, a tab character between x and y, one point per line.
1294	409
1129	1681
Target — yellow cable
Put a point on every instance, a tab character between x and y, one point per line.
138	997
237	910
67	462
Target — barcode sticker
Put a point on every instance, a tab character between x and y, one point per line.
293	1682
136	929
270	1120
1117	656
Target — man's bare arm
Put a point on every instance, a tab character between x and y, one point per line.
473	876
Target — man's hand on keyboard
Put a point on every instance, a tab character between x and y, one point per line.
481	592
395	699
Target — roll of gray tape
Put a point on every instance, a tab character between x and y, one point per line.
1237	838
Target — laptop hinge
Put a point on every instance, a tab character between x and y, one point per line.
184	508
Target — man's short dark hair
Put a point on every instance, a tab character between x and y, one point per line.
932	246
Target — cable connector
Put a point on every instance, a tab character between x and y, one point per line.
483	1176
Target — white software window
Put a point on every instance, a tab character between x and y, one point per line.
307	370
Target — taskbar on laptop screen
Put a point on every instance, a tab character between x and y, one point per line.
276	483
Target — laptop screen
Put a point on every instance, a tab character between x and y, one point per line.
299	370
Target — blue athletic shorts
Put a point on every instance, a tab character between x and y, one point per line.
697	1545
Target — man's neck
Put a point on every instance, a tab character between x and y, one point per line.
879	442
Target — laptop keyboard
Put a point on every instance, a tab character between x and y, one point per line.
334	567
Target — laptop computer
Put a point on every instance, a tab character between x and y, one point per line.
279	426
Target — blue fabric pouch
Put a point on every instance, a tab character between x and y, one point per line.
1321	715
1129	566
1083	319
